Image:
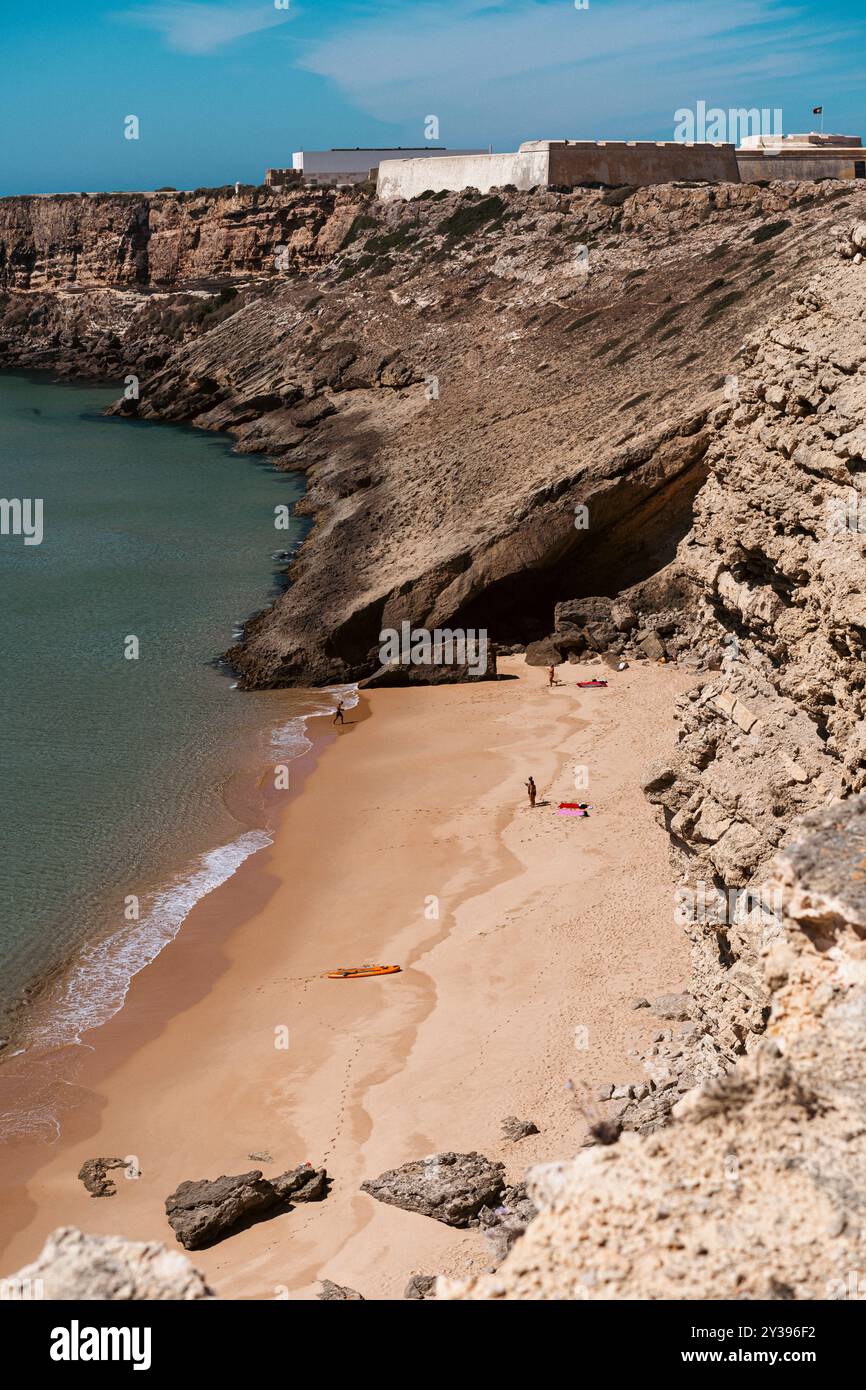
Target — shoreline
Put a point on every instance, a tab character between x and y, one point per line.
106	967
195	967
165	882
382	1071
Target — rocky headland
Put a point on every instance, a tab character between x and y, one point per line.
457	376
628	423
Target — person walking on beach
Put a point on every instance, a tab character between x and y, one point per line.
338	716
551	677
533	792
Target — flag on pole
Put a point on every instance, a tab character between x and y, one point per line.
817	110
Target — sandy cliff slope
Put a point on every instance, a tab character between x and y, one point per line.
456	375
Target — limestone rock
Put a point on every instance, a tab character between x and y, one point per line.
202	1212
652	646
676	1006
623	617
79	1268
450	1187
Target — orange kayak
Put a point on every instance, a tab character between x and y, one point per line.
355	972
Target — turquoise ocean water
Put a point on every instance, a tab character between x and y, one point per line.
122	779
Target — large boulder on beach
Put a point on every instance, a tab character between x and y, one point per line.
546	652
201	1213
77	1267
450	1187
571	641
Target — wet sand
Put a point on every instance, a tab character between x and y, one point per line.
524	937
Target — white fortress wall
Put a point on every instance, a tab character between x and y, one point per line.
406	178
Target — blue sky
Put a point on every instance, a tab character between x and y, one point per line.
225	88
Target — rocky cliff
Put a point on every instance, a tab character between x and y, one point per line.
463	378
623	420
161	240
111	284
756	1189
775	556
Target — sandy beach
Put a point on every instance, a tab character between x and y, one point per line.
411	842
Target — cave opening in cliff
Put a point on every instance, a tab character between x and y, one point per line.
639	542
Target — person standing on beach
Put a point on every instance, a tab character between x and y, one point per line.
533	792
551	677
338	716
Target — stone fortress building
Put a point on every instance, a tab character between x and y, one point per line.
812	156
564	164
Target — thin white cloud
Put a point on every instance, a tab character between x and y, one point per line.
191	27
548	69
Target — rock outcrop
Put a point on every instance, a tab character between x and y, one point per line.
486	429
94	1174
772	571
80	1268
201	1213
453	1188
165	239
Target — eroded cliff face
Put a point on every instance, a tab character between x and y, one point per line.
457	376
467	386
111	284
777	561
161	240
